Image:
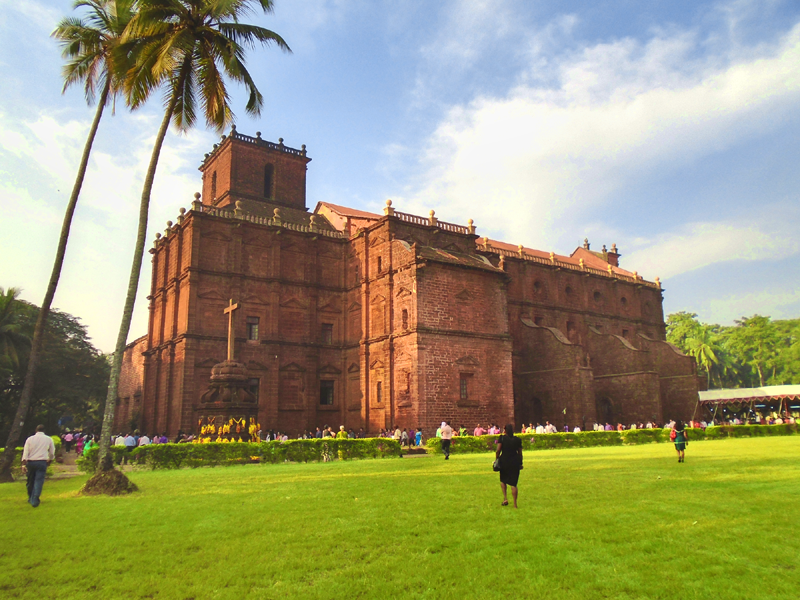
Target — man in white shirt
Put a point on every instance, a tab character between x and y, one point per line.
447	435
38	452
144	440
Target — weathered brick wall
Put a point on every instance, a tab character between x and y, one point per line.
240	173
129	391
679	383
550	375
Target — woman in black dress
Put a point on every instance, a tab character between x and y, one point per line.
509	453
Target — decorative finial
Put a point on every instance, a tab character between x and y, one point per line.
470	227
553	257
258	135
604	249
486	241
181	215
521	249
389	211
223	138
610	270
196	204
614	248
169	223
582	264
158	235
636	274
233	128
586	243
280	141
182	211
432	220
207	155
276	218
216	146
237	211
238	205
658	282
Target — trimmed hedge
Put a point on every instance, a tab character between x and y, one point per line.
16	465
586	439
176	456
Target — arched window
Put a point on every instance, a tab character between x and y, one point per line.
213	185
268	173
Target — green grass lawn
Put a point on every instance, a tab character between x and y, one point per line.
618	522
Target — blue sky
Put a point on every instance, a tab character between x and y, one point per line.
669	128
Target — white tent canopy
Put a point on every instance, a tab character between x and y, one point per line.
771	392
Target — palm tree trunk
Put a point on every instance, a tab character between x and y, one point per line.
44	311
105	462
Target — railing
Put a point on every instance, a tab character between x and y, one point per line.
276	221
554	262
432	222
413	219
271	145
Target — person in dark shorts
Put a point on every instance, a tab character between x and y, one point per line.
509	453
681	440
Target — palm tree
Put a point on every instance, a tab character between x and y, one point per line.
91	47
702	348
13	342
186	45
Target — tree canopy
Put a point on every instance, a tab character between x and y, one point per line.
72	375
754	352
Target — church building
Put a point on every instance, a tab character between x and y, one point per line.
264	311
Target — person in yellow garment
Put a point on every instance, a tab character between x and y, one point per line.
342	435
37	454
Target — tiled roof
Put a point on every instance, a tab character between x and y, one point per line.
590	259
349	212
455	258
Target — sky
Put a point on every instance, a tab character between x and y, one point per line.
667	127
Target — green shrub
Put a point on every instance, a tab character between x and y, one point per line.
176	456
586	439
644	436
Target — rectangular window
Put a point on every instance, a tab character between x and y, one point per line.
408	383
252	328
379	392
464	385
380	264
625	333
252	387
538	321
327	333
326	392
405	318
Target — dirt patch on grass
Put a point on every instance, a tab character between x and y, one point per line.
110	483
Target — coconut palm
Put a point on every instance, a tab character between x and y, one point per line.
702	347
90	45
187	47
13	341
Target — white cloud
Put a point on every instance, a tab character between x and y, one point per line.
698	245
619	111
779	304
103	231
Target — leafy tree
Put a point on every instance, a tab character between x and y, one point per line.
185	46
755	351
681	326
71	378
91	46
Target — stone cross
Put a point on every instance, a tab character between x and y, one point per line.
231	336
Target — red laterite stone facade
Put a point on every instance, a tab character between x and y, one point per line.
372	321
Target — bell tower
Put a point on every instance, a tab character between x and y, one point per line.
241	167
